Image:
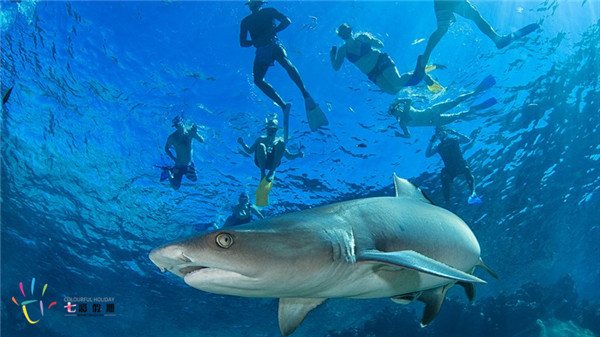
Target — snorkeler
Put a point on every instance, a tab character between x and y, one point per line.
268	151
444	12
454	162
435	115
242	212
360	49
181	141
263	33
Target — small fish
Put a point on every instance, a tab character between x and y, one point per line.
417	41
7	95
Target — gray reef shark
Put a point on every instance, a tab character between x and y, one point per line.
402	247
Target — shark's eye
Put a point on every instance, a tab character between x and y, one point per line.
224	240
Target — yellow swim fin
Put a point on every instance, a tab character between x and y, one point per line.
430	68
435	87
262	192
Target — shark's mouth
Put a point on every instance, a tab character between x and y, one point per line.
190	269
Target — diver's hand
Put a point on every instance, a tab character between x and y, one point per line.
301	154
194	128
240	141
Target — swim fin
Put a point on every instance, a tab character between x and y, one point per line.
262	192
430	68
435	87
165	172
315	116
486	83
508	39
474	200
485	104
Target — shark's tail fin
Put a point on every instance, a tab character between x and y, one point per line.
488	269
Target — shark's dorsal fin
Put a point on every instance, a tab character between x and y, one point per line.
405	189
292	312
433	300
413	260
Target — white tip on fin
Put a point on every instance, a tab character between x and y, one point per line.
406	189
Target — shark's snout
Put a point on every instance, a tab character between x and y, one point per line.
172	258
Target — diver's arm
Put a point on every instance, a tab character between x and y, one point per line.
256	212
431	150
244	42
337	56
284	21
168	145
247	149
406	132
461	138
291	156
195	134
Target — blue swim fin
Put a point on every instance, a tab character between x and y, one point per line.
508	39
486	83
165	172
485	104
474	200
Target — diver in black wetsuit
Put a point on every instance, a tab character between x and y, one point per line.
454	162
263	33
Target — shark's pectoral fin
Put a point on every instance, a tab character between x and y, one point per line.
433	300
292	312
413	260
469	290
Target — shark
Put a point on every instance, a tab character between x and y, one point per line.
402	247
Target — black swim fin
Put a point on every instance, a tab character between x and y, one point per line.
7	95
508	39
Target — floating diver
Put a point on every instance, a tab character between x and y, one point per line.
181	141
454	162
360	49
268	151
242	212
444	12
261	26
435	115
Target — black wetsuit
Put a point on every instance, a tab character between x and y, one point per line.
454	164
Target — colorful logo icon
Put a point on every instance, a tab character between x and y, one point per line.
26	302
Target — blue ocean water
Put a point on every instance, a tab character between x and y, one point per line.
96	84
